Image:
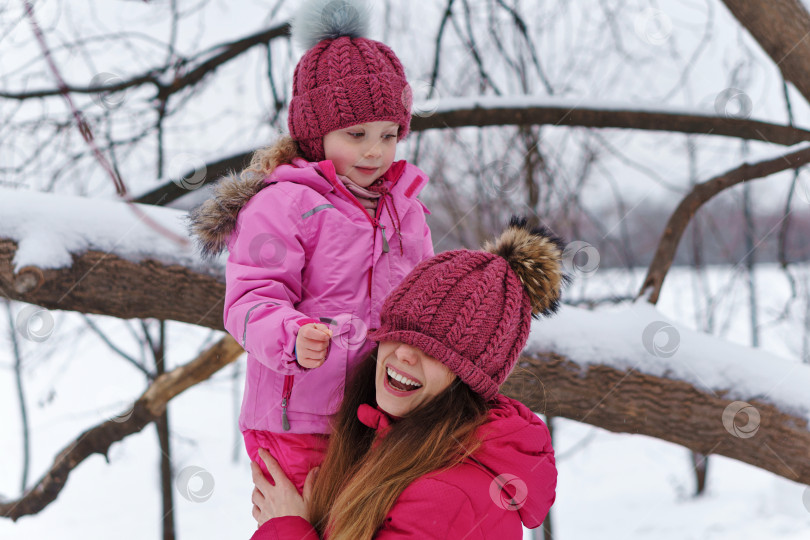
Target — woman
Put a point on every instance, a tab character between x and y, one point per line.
424	446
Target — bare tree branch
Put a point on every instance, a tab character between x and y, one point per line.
611	118
228	51
97	440
107	341
18	379
552	115
700	194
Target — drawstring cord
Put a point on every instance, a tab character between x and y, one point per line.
383	190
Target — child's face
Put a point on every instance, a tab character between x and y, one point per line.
362	152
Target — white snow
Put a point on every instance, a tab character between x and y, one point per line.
641	338
49	228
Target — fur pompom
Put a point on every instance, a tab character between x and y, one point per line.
535	255
317	20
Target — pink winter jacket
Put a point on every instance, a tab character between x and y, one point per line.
305	250
510	480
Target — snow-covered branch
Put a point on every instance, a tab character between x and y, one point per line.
545	110
607	367
632	370
105	257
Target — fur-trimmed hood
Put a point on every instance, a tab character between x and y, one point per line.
213	222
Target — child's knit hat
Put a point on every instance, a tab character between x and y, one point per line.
344	78
472	310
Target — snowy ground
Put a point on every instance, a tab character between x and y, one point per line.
610	485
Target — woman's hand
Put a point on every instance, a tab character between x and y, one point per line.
281	500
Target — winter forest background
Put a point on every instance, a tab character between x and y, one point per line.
662	139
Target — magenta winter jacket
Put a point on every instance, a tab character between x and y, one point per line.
305	250
510	480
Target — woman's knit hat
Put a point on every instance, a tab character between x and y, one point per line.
472	310
344	78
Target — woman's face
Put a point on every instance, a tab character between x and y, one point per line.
406	377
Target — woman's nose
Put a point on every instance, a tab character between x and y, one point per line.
406	353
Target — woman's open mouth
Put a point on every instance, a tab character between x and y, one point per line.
399	383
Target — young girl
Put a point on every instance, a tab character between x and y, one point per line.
319	228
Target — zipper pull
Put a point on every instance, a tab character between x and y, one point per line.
285	423
385	240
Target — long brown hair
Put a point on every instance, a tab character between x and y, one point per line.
360	481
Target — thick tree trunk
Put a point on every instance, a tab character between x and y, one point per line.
672	410
782	28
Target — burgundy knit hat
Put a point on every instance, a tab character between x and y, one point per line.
344	78
472	310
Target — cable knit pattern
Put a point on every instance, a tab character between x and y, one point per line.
339	61
371	57
437	289
507	330
464	324
463	303
485	299
470	309
343	82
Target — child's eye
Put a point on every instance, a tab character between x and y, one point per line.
389	137
355	134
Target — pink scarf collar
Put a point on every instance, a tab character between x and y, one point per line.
367	198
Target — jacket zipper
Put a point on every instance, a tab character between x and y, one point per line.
285	399
375	222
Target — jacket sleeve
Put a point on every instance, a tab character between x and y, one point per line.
431	509
285	528
263	280
434	511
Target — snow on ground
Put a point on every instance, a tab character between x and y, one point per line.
618	486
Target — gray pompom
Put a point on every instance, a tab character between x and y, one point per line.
317	20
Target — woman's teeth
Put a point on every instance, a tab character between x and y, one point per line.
404	380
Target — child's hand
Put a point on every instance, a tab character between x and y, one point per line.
311	344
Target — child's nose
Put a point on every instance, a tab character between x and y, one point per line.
374	150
